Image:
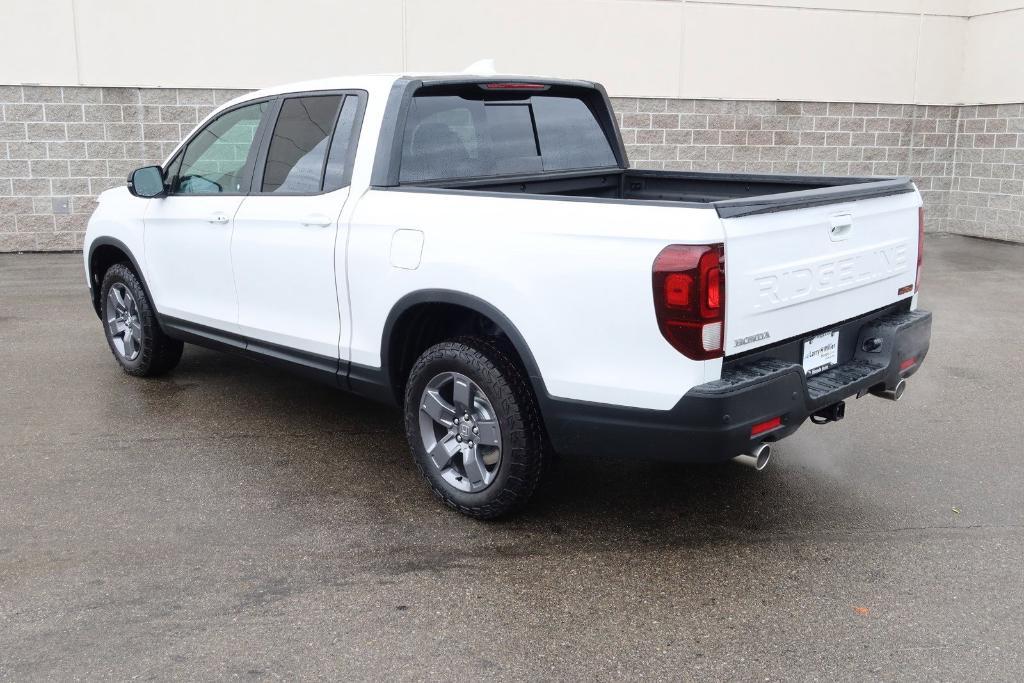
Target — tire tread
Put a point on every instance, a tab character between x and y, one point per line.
514	398
160	353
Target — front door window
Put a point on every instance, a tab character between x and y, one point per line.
217	158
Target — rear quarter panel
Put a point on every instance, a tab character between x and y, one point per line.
574	277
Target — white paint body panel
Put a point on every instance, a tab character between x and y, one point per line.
572	275
282	254
188	258
791	272
118	215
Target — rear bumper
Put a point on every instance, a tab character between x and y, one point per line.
713	421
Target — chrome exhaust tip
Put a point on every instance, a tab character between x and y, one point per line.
894	394
757	458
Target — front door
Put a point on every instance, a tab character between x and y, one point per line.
283	245
188	232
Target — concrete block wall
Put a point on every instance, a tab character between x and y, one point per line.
61	146
817	138
987	195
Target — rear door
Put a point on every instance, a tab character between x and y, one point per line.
792	272
285	232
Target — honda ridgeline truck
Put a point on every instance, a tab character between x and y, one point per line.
477	251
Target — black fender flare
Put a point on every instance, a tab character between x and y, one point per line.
123	248
473	303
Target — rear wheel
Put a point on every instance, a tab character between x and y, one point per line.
472	424
129	321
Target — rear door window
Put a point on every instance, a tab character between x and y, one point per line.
343	146
474	133
298	148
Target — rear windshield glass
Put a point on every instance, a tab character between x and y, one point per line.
478	133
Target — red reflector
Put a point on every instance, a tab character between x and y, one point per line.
766	426
514	86
920	247
908	363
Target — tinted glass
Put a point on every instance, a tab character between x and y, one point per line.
215	159
451	136
337	173
298	148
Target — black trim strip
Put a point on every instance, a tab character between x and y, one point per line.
366	381
322	368
542	197
855	189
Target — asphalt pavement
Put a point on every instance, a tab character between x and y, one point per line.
231	520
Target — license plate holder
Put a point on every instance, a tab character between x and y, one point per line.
821	352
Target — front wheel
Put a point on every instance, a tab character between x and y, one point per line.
473	427
129	321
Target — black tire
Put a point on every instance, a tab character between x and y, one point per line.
157	352
505	384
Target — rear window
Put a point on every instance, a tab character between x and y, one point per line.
473	133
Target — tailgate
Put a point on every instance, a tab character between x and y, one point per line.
790	272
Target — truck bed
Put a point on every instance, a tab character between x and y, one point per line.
731	194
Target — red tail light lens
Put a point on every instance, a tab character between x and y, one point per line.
689	298
920	247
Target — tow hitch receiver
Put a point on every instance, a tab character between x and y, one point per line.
832	413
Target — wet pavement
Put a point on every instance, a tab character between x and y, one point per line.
233	520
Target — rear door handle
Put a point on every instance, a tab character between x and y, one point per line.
218	218
317	219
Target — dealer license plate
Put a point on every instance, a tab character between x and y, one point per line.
821	352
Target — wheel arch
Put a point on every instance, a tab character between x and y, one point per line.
393	329
105	252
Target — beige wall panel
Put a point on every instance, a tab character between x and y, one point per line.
901	6
37	42
632	47
976	7
234	43
793	54
848	50
994	59
941	60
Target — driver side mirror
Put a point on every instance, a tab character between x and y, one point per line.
147	182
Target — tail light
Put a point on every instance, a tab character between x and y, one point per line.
920	247
514	85
689	298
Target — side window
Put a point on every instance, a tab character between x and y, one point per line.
215	160
338	170
298	147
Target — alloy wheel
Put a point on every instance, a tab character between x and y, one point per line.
123	322
460	431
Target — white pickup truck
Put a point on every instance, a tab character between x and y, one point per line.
477	251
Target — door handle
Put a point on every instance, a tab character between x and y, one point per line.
218	218
317	220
